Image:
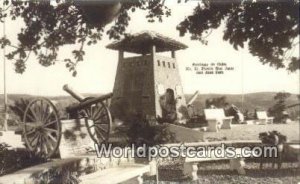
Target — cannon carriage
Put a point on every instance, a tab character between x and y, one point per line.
147	85
42	122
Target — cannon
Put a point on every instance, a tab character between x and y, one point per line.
193	116
42	123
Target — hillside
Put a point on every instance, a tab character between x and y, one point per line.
262	100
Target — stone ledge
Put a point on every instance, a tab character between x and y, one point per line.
80	165
28	175
117	174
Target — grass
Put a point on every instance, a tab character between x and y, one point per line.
250	132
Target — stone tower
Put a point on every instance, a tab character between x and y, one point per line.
148	84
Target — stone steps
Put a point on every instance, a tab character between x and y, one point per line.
31	174
117	175
83	165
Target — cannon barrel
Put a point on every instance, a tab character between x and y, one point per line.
193	98
73	93
88	102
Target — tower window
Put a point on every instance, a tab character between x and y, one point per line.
174	65
158	62
164	64
169	65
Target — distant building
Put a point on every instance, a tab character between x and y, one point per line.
149	84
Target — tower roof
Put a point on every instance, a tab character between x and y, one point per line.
141	43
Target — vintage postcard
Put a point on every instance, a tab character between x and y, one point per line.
149	91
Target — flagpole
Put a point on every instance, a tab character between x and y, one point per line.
4	80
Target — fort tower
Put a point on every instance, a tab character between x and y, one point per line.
148	84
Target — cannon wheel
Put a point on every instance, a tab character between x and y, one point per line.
100	122
42	127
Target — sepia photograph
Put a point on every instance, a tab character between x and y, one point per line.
149	92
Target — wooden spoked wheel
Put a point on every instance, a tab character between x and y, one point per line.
42	127
98	122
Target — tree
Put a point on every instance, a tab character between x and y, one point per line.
269	27
19	108
48	28
218	102
279	107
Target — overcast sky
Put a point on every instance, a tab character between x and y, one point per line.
96	74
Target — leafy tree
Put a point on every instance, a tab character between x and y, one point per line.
19	107
279	107
269	27
218	102
48	28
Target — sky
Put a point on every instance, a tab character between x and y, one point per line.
97	72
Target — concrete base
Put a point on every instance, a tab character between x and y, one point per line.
213	125
190	169
153	167
238	164
226	124
11	139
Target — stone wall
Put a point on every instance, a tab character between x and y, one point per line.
166	76
133	89
141	81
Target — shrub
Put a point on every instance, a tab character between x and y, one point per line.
273	137
13	160
19	107
141	131
278	109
